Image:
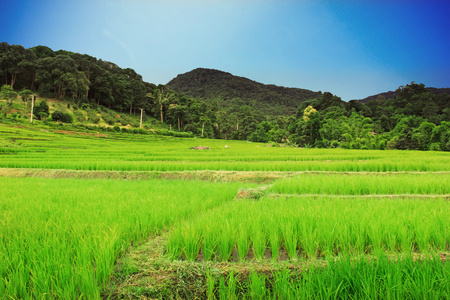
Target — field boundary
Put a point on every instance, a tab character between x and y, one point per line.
205	175
446	196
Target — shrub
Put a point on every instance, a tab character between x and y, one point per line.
80	117
92	115
57	115
435	147
382	145
109	119
62	117
41	110
334	144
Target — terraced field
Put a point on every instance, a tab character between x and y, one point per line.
125	216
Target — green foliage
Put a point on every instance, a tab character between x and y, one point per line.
25	95
110	118
226	106
42	110
208	85
308	112
79	116
8	94
59	116
93	116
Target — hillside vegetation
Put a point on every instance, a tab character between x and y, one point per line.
208	85
214	104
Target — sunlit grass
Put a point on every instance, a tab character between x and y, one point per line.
310	227
60	238
45	150
346	278
366	184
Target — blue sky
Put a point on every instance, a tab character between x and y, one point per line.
351	48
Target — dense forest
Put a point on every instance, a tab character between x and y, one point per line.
215	104
267	99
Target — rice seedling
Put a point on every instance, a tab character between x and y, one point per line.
210	283
191	238
243	242
350	278
368	184
320	226
274	238
61	237
227	241
47	150
257	286
210	243
289	234
258	238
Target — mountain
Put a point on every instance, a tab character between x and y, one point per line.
209	84
391	94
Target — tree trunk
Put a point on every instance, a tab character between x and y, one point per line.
59	92
13	79
131	107
32	107
237	124
179	124
161	111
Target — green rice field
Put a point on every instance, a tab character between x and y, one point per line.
121	216
24	148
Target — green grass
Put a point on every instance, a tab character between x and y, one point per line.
347	278
310	227
25	148
60	238
368	184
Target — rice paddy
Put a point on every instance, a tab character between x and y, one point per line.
59	238
24	148
302	228
263	223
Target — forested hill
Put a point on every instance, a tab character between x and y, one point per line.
392	94
209	84
214	104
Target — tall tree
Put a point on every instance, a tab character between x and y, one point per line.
8	94
162	97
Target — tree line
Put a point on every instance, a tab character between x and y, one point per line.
414	118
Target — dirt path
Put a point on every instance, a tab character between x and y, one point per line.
207	175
